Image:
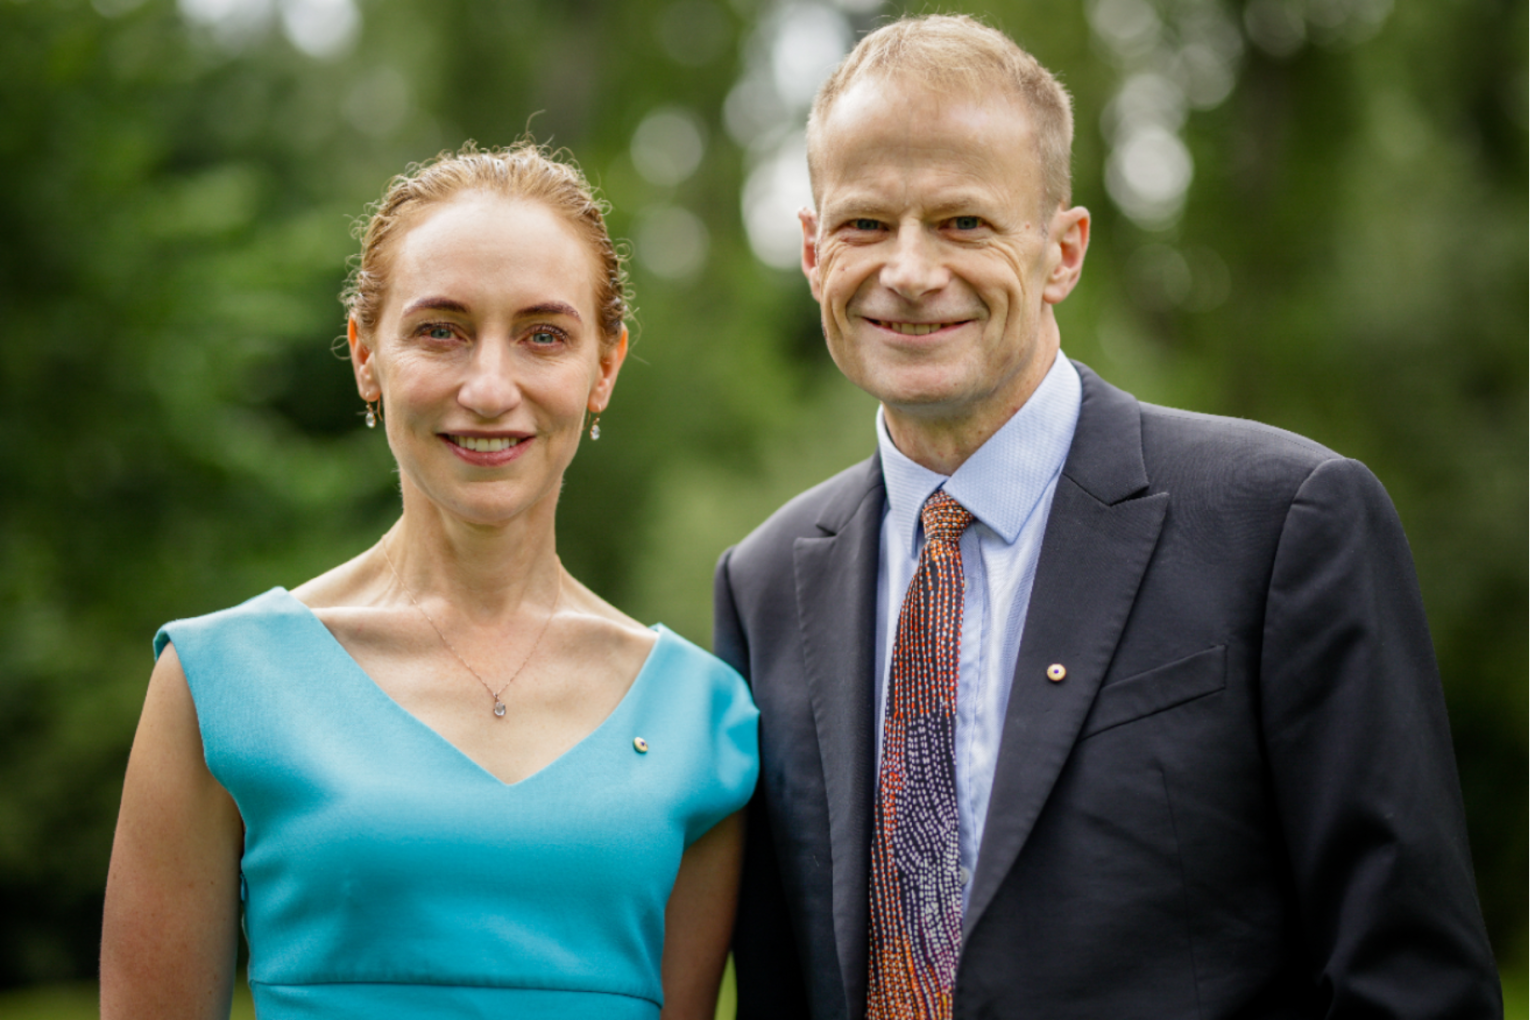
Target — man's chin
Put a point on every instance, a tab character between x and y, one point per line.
928	391
926	409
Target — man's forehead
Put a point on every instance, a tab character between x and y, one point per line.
877	117
880	137
919	97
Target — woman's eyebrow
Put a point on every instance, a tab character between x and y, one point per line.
553	308
443	304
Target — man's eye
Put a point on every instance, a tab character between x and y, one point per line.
866	224
966	223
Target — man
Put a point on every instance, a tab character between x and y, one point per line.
1071	706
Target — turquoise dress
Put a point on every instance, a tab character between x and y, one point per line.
386	874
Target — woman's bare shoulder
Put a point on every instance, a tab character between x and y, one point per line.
603	629
351	584
600	613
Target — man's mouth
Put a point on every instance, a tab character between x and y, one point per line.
913	328
482	444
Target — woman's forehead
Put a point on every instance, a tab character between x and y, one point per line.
481	243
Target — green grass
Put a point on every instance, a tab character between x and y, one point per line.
81	1001
1516	1003
78	1002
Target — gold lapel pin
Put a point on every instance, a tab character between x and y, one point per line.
1056	672
640	744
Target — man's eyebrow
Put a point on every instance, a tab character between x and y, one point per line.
955	203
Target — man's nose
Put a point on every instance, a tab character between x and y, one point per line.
914	268
490	388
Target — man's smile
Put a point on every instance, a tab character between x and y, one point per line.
915	328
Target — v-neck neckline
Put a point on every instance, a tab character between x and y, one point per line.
361	674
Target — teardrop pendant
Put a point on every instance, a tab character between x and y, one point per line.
371	417
499	709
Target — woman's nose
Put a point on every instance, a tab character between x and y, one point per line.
490	389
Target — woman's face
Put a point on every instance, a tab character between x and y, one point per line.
486	355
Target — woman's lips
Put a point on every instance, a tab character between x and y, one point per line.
486	451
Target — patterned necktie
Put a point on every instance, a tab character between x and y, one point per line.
916	892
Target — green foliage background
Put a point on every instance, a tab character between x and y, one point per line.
178	434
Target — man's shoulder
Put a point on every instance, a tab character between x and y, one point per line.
1190	454
1218	440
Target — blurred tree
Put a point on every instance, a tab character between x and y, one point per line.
179	184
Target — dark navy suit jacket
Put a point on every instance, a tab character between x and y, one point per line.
1241	800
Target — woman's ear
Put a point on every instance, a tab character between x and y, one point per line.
362	363
610	364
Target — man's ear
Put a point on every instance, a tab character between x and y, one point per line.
1069	236
362	363
809	220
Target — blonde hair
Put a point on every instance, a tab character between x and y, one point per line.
524	171
954	53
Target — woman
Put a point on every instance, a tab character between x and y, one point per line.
445	778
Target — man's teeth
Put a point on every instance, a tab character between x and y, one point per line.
914	328
478	445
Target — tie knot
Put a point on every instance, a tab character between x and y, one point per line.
944	518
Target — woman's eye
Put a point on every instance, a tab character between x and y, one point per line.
544	338
966	223
439	332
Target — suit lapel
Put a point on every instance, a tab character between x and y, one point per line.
836	579
1100	534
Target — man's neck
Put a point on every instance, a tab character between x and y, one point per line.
943	443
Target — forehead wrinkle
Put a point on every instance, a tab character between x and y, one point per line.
926	192
887	171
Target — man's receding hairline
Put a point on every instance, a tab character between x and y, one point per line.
893	78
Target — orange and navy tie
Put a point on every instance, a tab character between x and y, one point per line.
916	892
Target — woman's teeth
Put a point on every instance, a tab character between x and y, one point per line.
479	445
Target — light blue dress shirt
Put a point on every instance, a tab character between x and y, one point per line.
1008	486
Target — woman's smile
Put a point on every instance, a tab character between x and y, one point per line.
483	445
487	451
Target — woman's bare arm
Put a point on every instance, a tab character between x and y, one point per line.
699	921
170	932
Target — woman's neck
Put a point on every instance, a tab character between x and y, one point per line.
484	571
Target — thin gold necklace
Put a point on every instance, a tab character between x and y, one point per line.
499	706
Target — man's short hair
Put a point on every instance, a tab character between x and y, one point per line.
954	53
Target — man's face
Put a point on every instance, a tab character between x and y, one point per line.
931	256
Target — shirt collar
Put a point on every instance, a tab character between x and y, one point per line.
1003	482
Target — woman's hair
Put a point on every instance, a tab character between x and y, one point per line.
525	171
